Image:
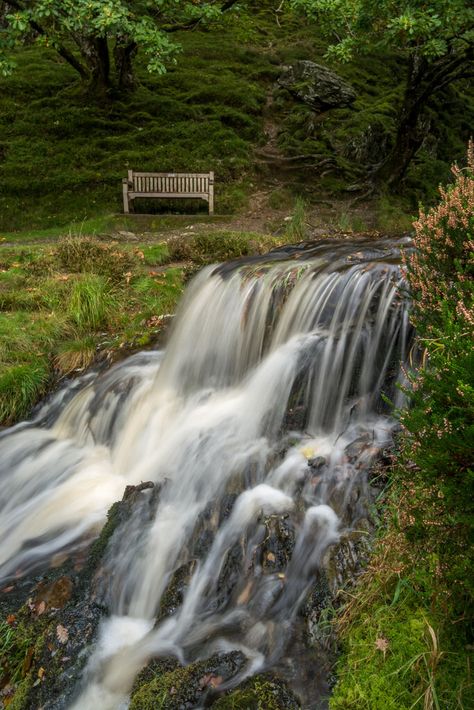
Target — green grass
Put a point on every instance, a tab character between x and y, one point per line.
61	304
404	645
92	303
296	229
20	386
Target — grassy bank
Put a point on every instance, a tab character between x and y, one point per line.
407	629
67	304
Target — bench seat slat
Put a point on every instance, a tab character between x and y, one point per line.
173	195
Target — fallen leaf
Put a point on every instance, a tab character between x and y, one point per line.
41	608
245	594
211	680
27	660
62	634
382	644
41	673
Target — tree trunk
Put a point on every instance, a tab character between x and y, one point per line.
95	54
411	130
124	54
100	67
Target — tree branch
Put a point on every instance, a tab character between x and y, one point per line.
60	49
192	24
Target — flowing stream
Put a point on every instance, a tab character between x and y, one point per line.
274	368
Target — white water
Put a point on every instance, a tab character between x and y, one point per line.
303	345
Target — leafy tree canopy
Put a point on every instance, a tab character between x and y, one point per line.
436	38
82	31
429	30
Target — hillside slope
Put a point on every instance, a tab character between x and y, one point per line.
62	156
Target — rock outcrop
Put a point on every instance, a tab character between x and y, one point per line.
317	86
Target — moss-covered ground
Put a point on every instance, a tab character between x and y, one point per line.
62	155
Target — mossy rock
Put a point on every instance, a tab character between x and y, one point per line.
259	693
161	686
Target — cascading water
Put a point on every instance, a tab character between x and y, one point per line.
275	367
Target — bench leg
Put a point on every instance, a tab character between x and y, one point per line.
126	207
211	194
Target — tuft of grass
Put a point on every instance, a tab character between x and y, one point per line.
296	227
75	355
82	254
92	303
20	386
155	254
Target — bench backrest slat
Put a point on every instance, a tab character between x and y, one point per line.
171	183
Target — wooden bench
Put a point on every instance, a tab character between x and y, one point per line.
168	185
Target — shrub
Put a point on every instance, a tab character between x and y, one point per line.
422	563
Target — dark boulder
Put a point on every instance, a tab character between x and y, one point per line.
318	87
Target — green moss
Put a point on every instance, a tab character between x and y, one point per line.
259	693
20	700
167	690
383	679
98	547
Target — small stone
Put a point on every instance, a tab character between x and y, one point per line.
317	462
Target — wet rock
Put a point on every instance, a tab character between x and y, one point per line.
317	462
131	490
262	691
278	544
354	450
53	595
170	686
174	593
55	628
317	86
295	419
314	610
347	560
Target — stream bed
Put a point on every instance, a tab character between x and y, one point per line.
237	467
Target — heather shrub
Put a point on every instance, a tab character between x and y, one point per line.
439	426
441	269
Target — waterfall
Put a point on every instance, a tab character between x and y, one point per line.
274	368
